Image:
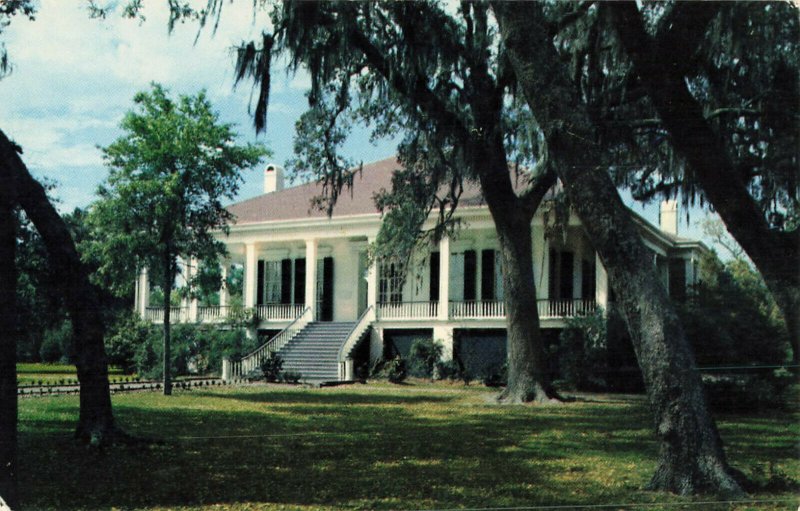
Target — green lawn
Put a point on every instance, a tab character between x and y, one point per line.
29	373
376	446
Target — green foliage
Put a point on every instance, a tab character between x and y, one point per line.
583	352
496	378
761	390
272	367
423	356
124	339
731	319
196	349
291	376
394	370
448	370
58	344
169	174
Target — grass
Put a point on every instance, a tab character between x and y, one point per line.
30	373
378	446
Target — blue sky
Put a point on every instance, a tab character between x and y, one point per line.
74	78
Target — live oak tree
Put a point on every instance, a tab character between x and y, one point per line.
691	458
412	70
700	101
95	421
169	174
8	345
724	82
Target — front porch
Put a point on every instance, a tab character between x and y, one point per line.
276	314
459	281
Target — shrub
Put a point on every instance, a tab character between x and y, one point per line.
583	354
124	339
734	392
57	344
291	376
271	367
393	369
448	370
423	356
731	318
499	378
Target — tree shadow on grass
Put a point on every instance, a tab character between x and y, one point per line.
310	448
326	396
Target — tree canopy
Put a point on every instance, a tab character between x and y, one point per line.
169	174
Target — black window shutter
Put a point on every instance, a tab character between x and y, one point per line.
487	275
300	281
327	289
552	275
286	281
260	283
434	284
470	266
567	272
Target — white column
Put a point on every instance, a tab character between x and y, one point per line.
250	275
372	283
311	276
601	284
444	278
541	263
577	270
444	334
142	293
224	292
191	273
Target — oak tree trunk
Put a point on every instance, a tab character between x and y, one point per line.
528	380
96	420
527	369
8	347
691	458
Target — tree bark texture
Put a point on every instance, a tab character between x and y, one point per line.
8	344
527	368
96	420
169	278
660	64
691	458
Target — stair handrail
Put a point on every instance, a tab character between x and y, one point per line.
284	336
274	344
366	318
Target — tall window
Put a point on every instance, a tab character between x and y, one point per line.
390	288
272	282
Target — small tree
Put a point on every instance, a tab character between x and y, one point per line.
163	197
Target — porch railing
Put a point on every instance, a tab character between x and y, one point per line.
176	314
477	309
236	368
278	311
408	310
212	313
565	308
361	326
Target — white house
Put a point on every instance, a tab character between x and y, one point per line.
308	280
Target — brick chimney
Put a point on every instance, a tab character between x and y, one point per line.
273	178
